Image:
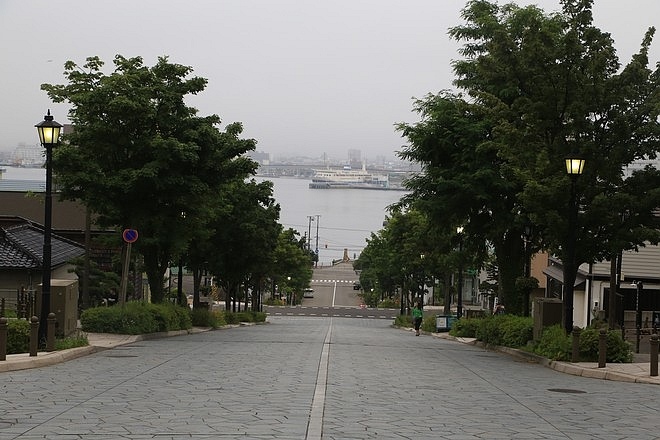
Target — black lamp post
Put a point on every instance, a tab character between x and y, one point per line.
527	235
49	134
574	167
422	282
459	298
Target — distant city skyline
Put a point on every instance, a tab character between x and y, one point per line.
32	155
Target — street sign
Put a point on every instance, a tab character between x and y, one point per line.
130	235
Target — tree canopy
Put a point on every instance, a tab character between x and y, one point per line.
533	88
141	158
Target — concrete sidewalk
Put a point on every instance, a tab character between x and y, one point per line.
638	371
97	342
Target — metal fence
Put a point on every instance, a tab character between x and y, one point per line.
18	303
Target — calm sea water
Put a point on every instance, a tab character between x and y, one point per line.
346	217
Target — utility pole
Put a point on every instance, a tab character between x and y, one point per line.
310	219
317	240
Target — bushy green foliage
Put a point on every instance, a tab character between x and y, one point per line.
370	297
18	336
136	318
507	330
403	321
516	331
207	318
554	344
428	324
245	316
490	330
388	303
465	328
618	350
71	342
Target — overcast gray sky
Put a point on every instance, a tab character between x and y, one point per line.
302	76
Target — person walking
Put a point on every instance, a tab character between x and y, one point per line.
417	316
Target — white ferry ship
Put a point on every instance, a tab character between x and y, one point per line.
348	178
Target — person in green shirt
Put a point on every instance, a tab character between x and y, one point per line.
417	317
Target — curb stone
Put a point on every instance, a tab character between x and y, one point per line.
575	369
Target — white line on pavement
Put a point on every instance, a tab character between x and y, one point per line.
315	425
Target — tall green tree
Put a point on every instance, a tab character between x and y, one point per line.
556	87
406	254
540	87
292	262
463	185
246	231
140	158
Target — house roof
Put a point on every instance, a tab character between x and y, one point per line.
21	247
557	273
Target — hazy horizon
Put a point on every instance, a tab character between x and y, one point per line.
303	78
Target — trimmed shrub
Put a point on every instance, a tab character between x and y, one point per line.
136	318
18	336
489	331
554	344
428	324
618	350
207	318
403	321
506	330
71	342
516	331
388	303
465	327
245	316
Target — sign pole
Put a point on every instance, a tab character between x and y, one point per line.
130	236
124	275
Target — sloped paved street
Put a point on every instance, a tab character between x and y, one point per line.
315	377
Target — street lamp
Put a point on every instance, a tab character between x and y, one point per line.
422	283
574	167
49	134
527	236
289	292
459	299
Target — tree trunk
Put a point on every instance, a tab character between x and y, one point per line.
510	264
155	276
197	281
447	289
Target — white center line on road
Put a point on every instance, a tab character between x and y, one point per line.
334	294
315	425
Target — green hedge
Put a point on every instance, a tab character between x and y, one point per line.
554	344
465	327
18	336
245	316
517	332
618	350
505	330
207	318
136	318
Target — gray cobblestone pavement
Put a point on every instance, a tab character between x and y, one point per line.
313	378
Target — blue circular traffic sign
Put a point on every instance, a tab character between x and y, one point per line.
130	235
